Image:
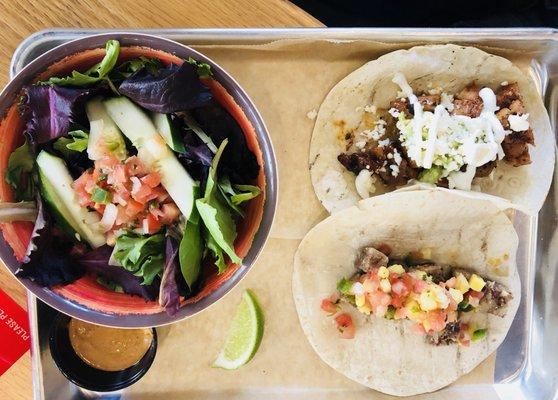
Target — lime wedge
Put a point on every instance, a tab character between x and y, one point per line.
244	336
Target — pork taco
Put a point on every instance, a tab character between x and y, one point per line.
406	304
447	115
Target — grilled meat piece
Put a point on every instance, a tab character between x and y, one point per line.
449	335
502	115
496	298
468	102
506	95
485	170
356	162
402	105
369	258
469	108
469	92
439	273
429	101
516	149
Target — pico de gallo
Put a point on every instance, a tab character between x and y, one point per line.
436	299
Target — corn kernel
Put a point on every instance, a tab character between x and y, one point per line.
365	309
385	285
360	300
396	269
456	295
426	301
426	253
476	282
461	283
383	272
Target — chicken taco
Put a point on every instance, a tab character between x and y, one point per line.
451	116
408	306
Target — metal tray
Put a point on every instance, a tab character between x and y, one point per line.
526	363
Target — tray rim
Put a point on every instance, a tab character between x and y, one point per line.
223	35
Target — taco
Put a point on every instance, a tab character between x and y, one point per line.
409	302
451	116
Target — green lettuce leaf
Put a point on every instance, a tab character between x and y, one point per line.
190	251
204	69
216	214
216	251
237	194
19	172
77	141
142	255
94	74
127	69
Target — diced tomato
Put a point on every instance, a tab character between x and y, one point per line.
435	321
134	208
143	193
170	213
122	217
400	288
419	285
328	306
150	225
345	326
119	174
152	179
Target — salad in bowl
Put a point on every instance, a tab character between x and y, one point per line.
134	183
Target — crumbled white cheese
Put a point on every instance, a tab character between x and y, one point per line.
312	114
383	143
390	156
394	170
397	157
518	123
394	112
364	183
446	100
360	144
505	83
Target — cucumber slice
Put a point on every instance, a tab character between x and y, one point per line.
136	125
167	130
56	187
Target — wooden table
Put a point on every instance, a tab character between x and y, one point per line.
21	18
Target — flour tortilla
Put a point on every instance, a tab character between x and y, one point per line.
450	67
385	355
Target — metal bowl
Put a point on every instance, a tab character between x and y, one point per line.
130	319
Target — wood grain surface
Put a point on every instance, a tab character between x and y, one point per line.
19	19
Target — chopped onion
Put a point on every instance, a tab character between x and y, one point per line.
136	184
109	217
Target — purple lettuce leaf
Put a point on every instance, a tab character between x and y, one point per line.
49	110
238	162
48	261
173	89
169	297
96	262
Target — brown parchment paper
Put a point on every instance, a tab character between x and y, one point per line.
286	80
